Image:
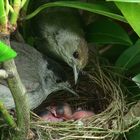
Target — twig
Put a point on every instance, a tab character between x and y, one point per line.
7	117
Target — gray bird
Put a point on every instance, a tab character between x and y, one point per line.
58	33
40	75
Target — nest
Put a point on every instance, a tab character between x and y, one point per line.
100	91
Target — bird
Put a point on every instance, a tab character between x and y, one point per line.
81	114
40	75
48	116
61	110
64	111
58	32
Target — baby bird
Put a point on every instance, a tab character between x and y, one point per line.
48	116
58	33
81	114
64	111
61	110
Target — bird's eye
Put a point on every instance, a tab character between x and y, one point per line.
76	54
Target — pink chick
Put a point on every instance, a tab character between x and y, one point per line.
82	114
49	117
61	110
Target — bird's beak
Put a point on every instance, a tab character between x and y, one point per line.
76	73
52	110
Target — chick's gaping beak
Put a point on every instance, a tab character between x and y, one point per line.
76	73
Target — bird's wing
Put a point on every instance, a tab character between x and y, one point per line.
27	63
6	97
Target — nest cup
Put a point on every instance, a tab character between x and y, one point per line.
99	91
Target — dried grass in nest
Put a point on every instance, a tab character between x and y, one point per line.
101	90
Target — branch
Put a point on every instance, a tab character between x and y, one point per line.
19	94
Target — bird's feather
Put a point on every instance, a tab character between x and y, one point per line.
58	33
40	76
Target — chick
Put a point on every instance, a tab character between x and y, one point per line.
81	114
61	110
58	33
48	116
64	111
40	75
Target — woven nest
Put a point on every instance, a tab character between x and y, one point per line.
99	91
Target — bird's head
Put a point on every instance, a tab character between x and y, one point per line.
61	110
72	48
77	57
59	34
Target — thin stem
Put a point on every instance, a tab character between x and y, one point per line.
11	8
23	2
7	7
24	6
7	117
3	17
16	7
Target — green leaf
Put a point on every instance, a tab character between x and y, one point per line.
133	1
129	57
95	8
136	79
105	31
131	12
134	134
6	52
